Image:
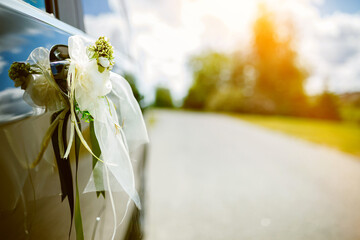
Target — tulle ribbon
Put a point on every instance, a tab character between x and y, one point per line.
118	122
118	126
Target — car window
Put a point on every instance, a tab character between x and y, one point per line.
67	11
95	7
40	4
18	38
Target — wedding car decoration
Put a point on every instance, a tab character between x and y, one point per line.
77	82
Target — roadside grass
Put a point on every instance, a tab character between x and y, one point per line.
344	136
350	113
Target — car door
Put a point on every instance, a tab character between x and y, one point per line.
30	204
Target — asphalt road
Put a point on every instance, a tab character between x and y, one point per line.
215	177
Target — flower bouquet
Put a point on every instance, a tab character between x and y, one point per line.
74	82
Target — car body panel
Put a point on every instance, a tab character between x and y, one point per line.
30	202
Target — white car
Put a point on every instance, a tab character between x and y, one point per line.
30	203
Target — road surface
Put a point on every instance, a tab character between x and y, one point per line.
211	176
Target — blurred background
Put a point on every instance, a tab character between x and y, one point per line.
253	111
284	57
288	58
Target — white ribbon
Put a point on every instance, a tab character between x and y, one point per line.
118	122
42	91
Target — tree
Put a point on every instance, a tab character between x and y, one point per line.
130	78
210	71
326	107
163	98
279	78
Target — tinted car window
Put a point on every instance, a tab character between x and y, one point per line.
18	37
95	7
37	3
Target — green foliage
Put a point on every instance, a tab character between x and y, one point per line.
279	77
102	49
210	70
18	73
130	78
97	172
101	68
350	113
85	115
344	136
227	99
163	98
350	106
77	211
268	79
326	107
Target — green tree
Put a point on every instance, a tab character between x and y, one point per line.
130	78
163	98
280	79
326	107
210	71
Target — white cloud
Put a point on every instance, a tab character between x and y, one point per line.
112	26
165	33
2	64
329	45
13	106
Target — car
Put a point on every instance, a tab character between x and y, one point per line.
30	204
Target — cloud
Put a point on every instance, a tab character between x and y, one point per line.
328	45
112	26
159	48
164	34
2	64
13	106
337	44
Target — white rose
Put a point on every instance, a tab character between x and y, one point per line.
104	62
91	84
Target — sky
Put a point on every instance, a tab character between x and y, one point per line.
163	34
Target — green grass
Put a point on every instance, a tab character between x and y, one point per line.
344	136
350	113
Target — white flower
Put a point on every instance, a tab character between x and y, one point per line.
90	84
103	61
90	53
42	93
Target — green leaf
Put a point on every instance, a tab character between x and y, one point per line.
97	151
101	68
78	219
